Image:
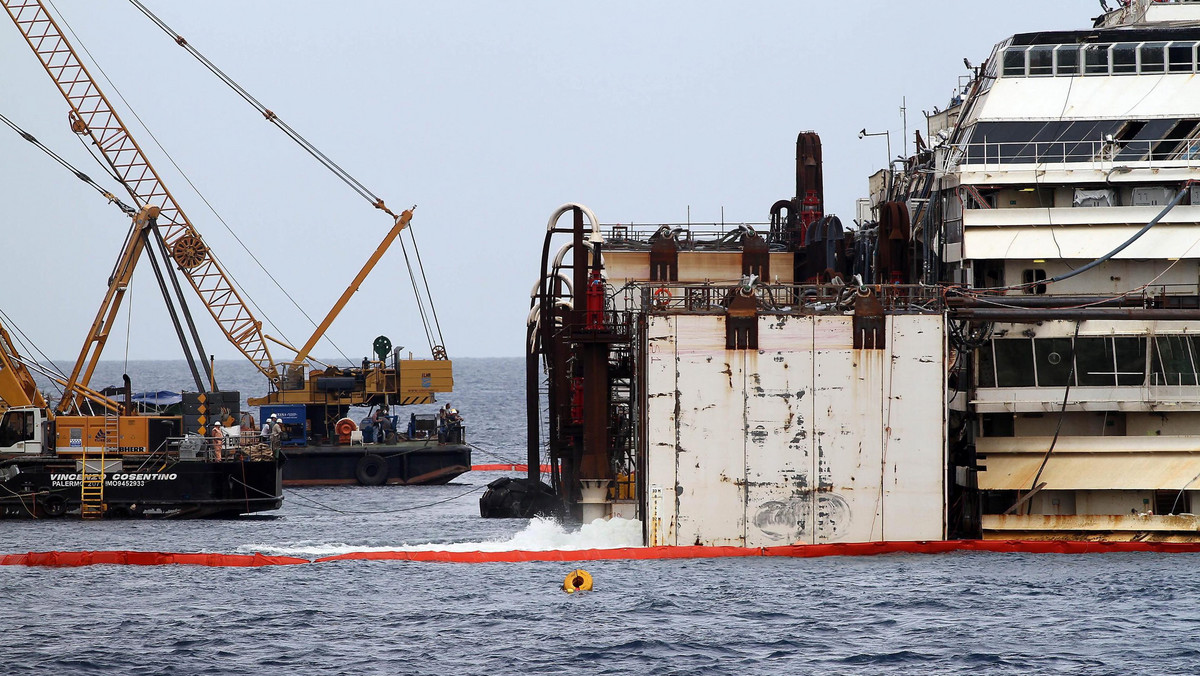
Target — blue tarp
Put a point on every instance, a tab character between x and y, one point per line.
161	398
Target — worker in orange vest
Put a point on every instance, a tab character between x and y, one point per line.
218	440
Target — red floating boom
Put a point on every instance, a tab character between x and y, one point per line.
129	558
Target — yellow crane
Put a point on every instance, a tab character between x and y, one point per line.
92	115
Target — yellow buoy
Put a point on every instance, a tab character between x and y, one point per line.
577	581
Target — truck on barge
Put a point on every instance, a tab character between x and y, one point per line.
119	463
1003	346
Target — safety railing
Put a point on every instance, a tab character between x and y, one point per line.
248	445
715	298
1103	155
687	236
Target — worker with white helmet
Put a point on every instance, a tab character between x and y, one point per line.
276	434
218	440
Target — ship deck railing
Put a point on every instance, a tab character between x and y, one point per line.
799	299
1101	155
687	236
248	445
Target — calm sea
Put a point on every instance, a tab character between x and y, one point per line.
977	613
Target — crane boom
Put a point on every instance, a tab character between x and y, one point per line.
17	386
93	115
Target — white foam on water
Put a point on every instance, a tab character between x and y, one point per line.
540	535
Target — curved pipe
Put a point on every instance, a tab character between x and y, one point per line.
591	216
533	293
566	248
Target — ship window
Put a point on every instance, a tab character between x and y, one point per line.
1172	502
1095	59
1131	361
1174	139
1094	357
1031	279
1067	60
987	366
997	424
1014	362
1041	60
1173	361
1014	62
1154	57
1189	150
1053	359
1181	57
1124	58
1104	362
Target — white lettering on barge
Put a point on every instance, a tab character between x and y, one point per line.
117	480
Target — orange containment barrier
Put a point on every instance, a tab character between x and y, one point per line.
545	469
793	551
620	554
127	558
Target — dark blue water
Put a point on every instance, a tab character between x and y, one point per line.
978	613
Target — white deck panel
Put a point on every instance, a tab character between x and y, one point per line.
780	465
660	424
1081	242
1092	98
710	449
848	437
804	440
913	477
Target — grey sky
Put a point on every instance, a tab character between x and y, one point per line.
488	115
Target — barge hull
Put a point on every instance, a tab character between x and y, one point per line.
401	464
49	488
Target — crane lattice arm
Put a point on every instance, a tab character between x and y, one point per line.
93	115
17	386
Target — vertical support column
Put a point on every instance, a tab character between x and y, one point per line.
594	466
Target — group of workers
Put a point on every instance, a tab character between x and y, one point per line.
449	429
449	424
271	433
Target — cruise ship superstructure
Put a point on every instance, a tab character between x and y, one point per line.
1004	345
1061	197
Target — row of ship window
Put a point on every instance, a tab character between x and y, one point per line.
1120	361
1018	142
1123	58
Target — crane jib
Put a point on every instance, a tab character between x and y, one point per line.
92	114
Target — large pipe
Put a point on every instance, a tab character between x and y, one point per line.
532	407
1048	302
591	216
1023	315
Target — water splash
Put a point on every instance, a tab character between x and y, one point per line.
540	535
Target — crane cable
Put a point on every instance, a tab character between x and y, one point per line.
106	164
270	116
112	199
321	157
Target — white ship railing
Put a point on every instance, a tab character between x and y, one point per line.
1100	155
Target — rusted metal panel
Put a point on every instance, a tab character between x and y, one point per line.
661	427
780	464
1116	470
710	453
848	438
914	458
799	441
1119	527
